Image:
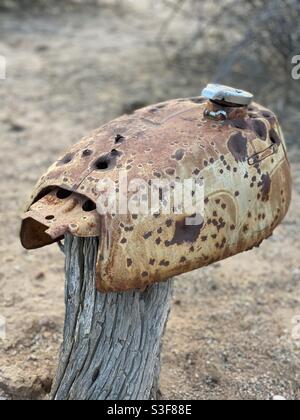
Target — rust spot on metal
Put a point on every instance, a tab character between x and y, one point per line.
119	139
260	129
129	228
87	152
164	263
170	171
108	161
274	137
245	228
241	124
66	159
185	233
147	235
266	186
237	145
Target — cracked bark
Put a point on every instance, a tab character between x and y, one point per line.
112	342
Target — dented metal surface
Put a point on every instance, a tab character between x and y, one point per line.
57	213
247	189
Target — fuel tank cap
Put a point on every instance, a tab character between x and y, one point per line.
227	95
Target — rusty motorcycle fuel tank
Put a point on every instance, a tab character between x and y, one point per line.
235	145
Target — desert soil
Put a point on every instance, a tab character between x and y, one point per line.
230	334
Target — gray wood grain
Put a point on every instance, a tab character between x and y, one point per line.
112	342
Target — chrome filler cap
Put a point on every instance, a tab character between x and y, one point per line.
227	95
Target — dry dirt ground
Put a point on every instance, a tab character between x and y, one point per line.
230	330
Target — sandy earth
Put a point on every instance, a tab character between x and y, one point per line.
230	330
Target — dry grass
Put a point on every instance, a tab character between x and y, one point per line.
250	43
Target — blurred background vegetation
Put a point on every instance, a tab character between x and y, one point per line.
250	42
247	43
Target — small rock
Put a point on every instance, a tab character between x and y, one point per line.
216	265
212	285
40	276
41	48
16	128
32	358
213	374
225	357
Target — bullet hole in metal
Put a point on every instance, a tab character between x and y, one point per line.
119	139
63	194
102	163
67	159
179	154
88	206
108	161
87	152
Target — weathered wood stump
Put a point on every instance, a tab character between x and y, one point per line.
112	342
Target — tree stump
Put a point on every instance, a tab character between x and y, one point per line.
112	342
